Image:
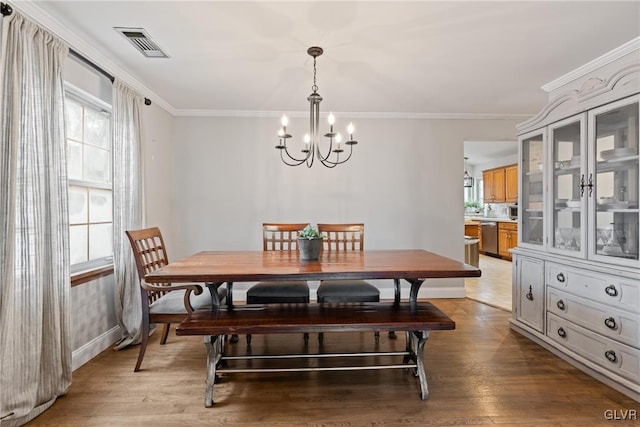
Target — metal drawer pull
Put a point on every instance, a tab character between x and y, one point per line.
610	323
560	277
560	305
562	333
611	356
611	291
529	294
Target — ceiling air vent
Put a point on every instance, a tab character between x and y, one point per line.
142	41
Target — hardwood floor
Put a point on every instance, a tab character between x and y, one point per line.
494	286
480	373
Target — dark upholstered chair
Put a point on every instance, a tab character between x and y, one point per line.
279	237
339	238
161	303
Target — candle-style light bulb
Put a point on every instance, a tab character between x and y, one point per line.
338	140
307	141
350	129
284	120
331	119
281	132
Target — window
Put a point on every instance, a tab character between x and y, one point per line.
88	139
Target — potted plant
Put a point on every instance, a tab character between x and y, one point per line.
472	206
310	243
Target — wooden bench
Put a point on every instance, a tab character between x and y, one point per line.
417	319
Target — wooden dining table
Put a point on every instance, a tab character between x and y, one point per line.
218	267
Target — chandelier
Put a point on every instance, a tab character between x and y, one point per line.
467	179
311	148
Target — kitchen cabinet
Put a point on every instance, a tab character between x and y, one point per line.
511	183
472	229
579	224
501	184
494	185
507	238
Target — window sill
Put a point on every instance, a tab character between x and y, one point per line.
89	275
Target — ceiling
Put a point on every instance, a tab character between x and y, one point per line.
480	152
404	58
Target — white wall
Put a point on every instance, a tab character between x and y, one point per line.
403	181
158	141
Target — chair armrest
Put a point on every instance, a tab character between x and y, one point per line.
194	287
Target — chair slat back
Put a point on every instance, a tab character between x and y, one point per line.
150	255
343	237
281	237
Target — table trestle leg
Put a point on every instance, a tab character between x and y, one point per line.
215	348
415	347
418	341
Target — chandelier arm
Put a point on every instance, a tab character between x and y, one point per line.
326	160
320	156
297	162
295	159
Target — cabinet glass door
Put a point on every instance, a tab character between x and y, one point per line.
531	213
614	190
568	186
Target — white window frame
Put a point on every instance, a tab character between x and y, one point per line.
89	100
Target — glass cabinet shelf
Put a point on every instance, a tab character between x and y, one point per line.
617	164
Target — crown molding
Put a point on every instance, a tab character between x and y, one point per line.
354	115
591	66
35	12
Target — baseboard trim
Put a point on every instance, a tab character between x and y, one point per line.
94	347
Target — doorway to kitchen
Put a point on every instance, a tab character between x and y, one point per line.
494	286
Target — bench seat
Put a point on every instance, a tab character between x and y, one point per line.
417	319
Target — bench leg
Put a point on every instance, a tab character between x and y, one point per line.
214	353
418	340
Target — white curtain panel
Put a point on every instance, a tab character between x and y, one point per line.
35	345
127	207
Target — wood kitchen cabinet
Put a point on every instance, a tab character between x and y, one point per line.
472	229
511	183
494	185
507	238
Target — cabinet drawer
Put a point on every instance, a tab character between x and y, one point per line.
513	226
611	355
610	322
611	290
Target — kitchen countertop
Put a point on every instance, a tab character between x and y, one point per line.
469	219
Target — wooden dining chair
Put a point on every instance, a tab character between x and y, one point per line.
164	303
279	237
341	238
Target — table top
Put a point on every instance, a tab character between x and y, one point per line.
250	266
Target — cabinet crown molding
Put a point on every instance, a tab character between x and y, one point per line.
625	82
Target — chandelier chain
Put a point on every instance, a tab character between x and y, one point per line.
315	86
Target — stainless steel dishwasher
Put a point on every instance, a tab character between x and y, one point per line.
490	237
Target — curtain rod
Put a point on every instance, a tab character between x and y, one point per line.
5	9
99	69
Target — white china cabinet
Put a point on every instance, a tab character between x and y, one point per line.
576	270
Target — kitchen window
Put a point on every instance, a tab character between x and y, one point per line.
88	141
